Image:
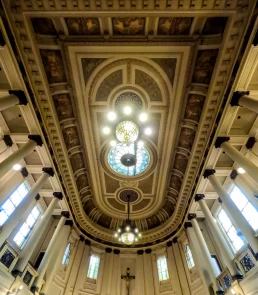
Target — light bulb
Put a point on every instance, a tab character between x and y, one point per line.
140	144
136	230
143	117
233	291
240	170
127	228
113	143
111	116
16	167
106	130
119	230
139	234
116	235
148	131
127	110
21	286
119	239
136	239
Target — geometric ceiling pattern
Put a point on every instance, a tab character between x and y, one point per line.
82	65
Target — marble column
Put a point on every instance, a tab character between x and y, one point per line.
180	268
206	254
83	269
250	168
173	269
37	232
226	254
15	97
22	152
55	240
243	99
237	216
75	267
108	269
244	186
12	221
57	256
148	273
140	283
116	275
198	257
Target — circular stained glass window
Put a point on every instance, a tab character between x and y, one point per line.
127	131
120	159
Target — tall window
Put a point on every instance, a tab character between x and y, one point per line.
93	267
245	207
189	257
27	227
162	268
230	231
12	202
67	253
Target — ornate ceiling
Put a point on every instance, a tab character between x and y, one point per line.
86	58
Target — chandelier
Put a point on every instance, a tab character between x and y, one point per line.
128	232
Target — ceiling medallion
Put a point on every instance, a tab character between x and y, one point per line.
131	193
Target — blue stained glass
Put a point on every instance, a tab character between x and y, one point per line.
142	159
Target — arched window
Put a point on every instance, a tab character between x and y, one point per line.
162	268
67	253
189	257
93	267
245	207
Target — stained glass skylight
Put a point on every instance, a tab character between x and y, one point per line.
118	153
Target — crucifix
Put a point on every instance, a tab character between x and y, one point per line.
127	279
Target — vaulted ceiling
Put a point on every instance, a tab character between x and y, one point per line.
171	59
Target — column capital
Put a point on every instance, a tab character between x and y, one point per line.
21	96
140	252
116	251
87	242
34	289
16	273
208	172
37	139
199	197
221	140
69	222
8	140
169	244
236	96
2	40
250	143
58	195
191	216
220	201
175	240
82	239
37	197
24	172
65	214
187	224
233	174
49	171
108	250
148	251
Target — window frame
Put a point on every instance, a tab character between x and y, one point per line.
161	281
98	267
189	257
67	256
222	230
27	186
31	228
